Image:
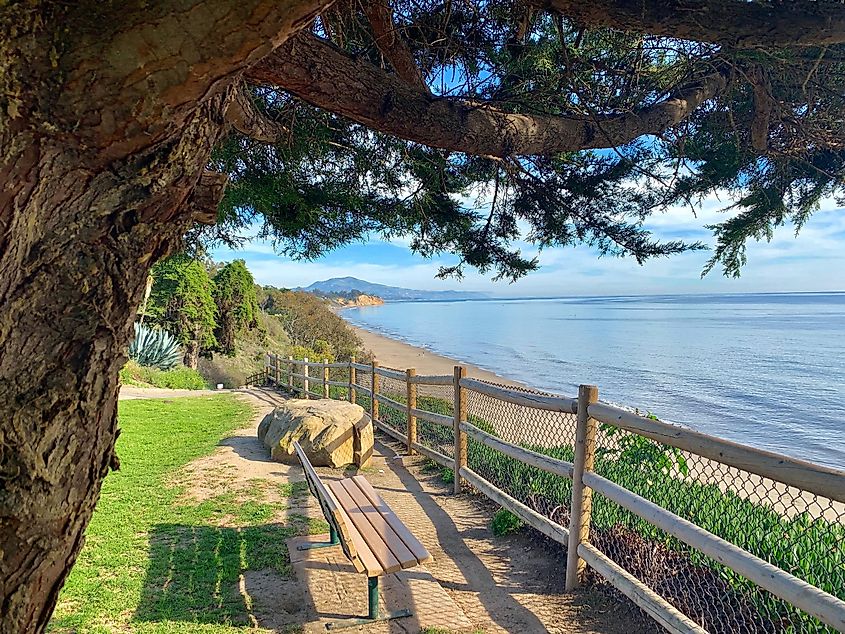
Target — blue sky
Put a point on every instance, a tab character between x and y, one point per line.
815	261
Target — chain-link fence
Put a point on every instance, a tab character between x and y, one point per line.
439	400
795	530
394	416
363	379
542	431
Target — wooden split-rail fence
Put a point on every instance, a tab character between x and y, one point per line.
534	422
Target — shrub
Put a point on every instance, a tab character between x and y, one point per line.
447	475
311	324
505	523
301	352
154	347
180	378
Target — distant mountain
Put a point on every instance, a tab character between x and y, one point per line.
389	293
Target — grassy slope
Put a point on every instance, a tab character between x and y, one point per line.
155	562
249	358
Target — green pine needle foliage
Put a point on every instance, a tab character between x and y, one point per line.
237	303
182	303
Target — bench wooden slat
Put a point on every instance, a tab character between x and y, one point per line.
335	516
372	512
374	542
373	538
369	563
419	551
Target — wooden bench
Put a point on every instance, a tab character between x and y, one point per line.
372	537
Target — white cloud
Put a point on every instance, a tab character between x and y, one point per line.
814	261
289	273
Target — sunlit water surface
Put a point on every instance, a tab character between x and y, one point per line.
767	370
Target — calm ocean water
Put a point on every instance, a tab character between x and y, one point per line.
762	369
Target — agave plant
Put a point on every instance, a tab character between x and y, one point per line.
154	347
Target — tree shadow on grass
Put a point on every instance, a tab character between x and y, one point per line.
202	574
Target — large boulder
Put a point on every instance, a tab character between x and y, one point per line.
326	430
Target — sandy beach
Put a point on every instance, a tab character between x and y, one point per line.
400	355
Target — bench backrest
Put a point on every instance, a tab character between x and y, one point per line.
331	510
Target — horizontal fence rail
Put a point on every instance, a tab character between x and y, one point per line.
432	379
541	461
701	533
827	608
432	417
390	374
518	397
522	511
644	597
823	481
389	401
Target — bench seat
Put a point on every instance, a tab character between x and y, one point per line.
383	542
372	537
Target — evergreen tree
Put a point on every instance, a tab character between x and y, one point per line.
181	302
237	303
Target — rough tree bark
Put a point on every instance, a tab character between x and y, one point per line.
736	23
108	113
192	354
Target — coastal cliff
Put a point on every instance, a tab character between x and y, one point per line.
358	300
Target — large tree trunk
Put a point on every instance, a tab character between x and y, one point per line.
107	121
192	354
72	274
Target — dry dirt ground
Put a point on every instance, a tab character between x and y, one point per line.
502	584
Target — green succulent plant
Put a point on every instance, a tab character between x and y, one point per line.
154	347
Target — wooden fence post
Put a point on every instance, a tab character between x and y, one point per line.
375	388
305	382
460	416
582	496
290	375
412	404
325	378
267	369
353	379
277	381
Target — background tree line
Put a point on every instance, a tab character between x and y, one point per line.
225	322
204	305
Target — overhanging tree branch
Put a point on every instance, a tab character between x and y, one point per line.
327	77
148	94
246	119
391	44
739	23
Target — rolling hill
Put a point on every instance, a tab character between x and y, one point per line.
388	293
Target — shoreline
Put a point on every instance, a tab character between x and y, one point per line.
400	355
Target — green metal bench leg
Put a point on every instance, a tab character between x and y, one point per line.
333	541
373	614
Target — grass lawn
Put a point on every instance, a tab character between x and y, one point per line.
159	561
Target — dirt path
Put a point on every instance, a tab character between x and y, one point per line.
509	584
129	392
